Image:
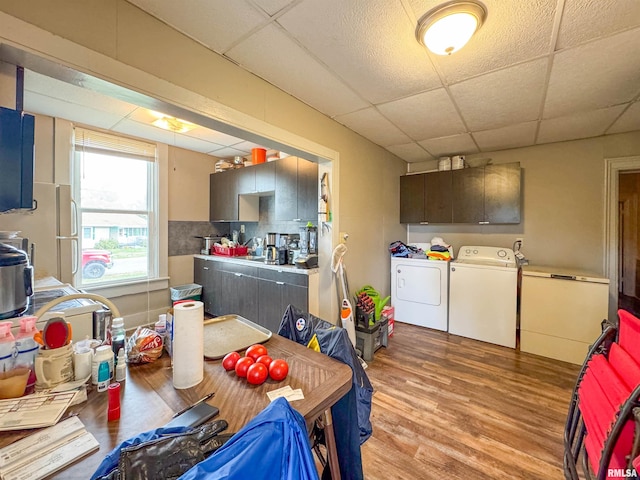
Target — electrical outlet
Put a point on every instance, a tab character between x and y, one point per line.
521	240
241	228
343	237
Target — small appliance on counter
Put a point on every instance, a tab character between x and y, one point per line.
308	257
270	250
306	261
16	281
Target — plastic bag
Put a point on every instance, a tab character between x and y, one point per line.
144	346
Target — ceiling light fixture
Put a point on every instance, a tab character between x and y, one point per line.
448	28
171	123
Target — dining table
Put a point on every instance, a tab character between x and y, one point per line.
149	400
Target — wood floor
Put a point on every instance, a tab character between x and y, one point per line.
446	407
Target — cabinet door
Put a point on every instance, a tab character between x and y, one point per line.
271	307
244	296
502	193
295	295
307	190
203	275
286	198
438	205
223	197
412	198
246	180
222	290
265	176
468	195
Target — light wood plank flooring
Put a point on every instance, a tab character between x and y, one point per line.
446	407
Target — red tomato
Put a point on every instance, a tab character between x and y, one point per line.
257	374
279	369
242	365
229	361
265	360
255	351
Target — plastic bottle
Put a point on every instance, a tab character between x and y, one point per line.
121	366
27	347
7	347
113	410
102	367
118	335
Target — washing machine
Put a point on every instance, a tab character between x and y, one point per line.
483	291
420	291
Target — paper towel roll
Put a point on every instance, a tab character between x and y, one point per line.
188	344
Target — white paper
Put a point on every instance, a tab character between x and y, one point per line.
286	392
34	411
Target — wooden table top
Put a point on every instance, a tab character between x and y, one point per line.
148	399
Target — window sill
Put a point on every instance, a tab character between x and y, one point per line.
130	288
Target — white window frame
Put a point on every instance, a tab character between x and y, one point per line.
157	278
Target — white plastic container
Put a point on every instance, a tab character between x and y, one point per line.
7	347
444	163
103	354
27	347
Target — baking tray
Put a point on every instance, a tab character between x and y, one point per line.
231	333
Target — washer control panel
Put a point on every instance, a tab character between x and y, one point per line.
486	255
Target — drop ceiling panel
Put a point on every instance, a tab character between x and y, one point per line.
149	132
426	115
370	45
513	32
585	20
580	125
512	136
410	152
508	96
228	152
270	52
41	104
272	7
214	23
371	124
595	75
628	121
453	145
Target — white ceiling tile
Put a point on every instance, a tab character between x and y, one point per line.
215	23
426	115
272	7
372	125
41	104
410	152
228	152
371	45
595	75
513	136
453	145
514	31
274	56
628	121
246	146
579	125
70	94
585	20
508	96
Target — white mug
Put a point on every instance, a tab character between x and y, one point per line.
82	358
53	366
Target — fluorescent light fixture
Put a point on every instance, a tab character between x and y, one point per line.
448	28
173	124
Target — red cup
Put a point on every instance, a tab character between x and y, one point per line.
258	155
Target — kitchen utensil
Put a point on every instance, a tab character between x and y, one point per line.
55	334
16	281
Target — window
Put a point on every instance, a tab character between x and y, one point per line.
115	187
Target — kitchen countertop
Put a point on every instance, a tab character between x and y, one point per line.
254	263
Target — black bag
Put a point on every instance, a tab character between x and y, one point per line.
170	456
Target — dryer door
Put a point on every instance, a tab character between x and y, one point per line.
418	283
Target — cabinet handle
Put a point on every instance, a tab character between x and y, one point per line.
205	268
279	283
483	223
297	219
238	274
424	223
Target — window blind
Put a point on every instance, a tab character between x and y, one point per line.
100	142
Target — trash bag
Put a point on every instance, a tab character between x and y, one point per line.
351	414
273	445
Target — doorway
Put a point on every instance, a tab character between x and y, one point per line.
628	247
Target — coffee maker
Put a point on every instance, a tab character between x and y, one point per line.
271	249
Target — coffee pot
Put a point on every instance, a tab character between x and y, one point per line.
271	255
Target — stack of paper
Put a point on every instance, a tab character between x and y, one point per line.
46	451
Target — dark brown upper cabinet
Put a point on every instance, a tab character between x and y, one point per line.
483	195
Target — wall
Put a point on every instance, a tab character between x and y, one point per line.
562	203
152	58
